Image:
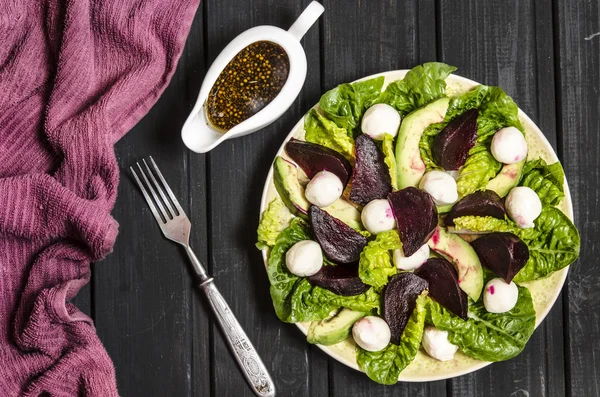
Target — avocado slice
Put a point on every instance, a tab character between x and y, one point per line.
463	257
285	177
345	212
410	166
507	178
334	329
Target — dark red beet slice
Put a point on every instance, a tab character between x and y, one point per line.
503	253
314	158
399	300
371	178
416	217
342	280
443	285
339	242
451	146
480	203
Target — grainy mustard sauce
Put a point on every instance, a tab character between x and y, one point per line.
251	80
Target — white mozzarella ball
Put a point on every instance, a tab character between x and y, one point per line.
412	262
324	189
304	258
500	297
380	119
377	216
509	145
371	333
441	186
523	206
436	344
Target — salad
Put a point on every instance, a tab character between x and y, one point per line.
409	218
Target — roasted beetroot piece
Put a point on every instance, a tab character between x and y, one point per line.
480	203
371	178
339	242
399	300
314	158
416	217
503	253
451	146
342	280
443	285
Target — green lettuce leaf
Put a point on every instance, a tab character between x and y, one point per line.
346	103
496	110
375	265
553	243
275	218
294	298
325	132
385	365
387	147
488	336
421	85
546	180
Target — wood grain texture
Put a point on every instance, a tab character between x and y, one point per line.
510	44
578	27
361	39
237	173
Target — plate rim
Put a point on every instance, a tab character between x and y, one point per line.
562	273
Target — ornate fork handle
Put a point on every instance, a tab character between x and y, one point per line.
248	359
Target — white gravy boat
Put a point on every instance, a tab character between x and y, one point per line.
199	135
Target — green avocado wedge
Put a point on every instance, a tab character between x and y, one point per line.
508	177
463	257
334	329
410	166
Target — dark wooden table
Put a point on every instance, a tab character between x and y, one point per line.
158	329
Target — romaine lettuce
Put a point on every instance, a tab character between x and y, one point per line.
385	365
546	180
487	336
346	103
275	218
325	132
294	298
375	265
421	85
387	147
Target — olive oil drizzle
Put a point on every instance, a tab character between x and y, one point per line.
249	82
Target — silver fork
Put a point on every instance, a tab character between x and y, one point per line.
176	227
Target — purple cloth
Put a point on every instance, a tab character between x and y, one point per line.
75	76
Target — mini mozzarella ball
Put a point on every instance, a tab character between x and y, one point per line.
324	189
436	344
500	297
441	186
304	258
377	216
523	206
380	119
412	262
371	333
509	145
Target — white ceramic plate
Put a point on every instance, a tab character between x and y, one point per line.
544	292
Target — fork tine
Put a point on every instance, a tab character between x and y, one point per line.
170	210
156	199
167	188
147	197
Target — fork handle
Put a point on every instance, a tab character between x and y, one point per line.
244	352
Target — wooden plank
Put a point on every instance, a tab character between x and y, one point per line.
361	39
237	172
509	44
145	309
577	27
